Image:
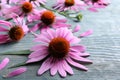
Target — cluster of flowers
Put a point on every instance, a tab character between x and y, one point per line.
58	46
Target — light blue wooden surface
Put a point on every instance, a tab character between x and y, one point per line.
103	45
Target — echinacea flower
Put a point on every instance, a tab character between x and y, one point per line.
24	9
12	32
63	5
59	48
48	19
16	72
95	4
4	63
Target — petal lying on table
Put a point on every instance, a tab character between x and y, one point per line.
4	63
16	72
87	33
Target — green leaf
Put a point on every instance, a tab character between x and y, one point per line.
18	65
21	52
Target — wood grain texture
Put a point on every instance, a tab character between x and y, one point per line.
103	45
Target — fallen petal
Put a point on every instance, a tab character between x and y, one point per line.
76	29
87	33
16	72
4	63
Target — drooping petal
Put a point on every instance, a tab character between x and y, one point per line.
54	68
45	66
36	59
61	70
79	58
16	72
3	38
5	23
4	63
70	61
67	67
78	48
38	53
2	29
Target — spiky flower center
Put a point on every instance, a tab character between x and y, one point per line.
59	47
48	17
16	33
27	7
69	3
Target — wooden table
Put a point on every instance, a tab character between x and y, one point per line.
103	45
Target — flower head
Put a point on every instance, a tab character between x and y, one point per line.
63	5
12	32
48	19
59	47
24	9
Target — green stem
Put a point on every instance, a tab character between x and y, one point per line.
61	13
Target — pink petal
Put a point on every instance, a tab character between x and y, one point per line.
36	59
38	47
67	67
3	38
70	61
38	53
2	29
44	33
53	69
61	70
42	38
78	48
4	63
51	33
74	40
61	20
79	58
76	29
16	72
35	28
87	33
5	23
62	32
45	66
93	9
